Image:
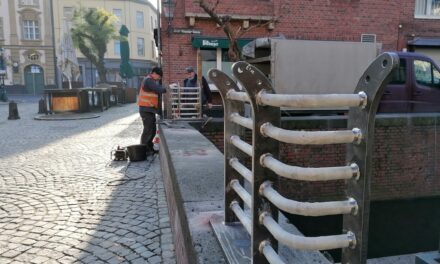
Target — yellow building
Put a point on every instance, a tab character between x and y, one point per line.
26	39
140	18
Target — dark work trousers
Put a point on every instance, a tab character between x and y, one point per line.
149	122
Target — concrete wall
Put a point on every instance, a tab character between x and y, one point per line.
194	191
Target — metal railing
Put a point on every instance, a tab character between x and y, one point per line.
264	200
185	102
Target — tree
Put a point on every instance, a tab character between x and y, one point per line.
91	32
225	22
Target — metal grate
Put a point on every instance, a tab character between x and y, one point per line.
371	38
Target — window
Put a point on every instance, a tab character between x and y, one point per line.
118	14
151	23
209	60
226	63
139	19
426	74
68	12
31	30
399	75
153	49
117	47
141	47
427	8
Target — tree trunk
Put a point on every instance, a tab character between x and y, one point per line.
233	51
102	72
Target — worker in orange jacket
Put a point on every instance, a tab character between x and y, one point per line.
148	101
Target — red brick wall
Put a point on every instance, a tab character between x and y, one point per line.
242	7
406	158
340	20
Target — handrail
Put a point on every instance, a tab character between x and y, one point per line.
241	145
240	168
266	249
305	208
311	137
306	243
244	219
244	195
243	121
312	100
265	201
238	96
309	174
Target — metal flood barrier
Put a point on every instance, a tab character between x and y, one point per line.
185	102
258	210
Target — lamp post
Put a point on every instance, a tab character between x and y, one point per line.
3	96
159	44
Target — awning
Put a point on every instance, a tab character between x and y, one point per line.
426	42
213	42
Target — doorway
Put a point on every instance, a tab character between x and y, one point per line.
34	79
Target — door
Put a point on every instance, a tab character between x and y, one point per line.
425	96
34	79
396	97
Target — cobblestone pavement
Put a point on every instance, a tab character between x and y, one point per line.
62	199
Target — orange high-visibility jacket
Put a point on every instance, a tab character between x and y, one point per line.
148	99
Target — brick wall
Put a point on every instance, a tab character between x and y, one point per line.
406	157
337	20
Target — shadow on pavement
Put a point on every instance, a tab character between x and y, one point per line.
27	134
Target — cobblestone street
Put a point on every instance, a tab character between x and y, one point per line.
63	200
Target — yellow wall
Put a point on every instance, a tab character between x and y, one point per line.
129	8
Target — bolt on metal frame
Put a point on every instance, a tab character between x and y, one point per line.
264	200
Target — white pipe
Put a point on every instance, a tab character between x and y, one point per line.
244	195
311	137
270	254
243	121
307	209
244	219
240	144
309	174
306	243
237	96
312	100
240	168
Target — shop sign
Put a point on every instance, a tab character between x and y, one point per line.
213	43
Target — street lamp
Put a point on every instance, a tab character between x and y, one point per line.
168	10
3	96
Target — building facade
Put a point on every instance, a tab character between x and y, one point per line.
26	37
189	37
139	16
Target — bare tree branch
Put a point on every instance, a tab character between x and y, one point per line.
210	11
250	28
225	22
